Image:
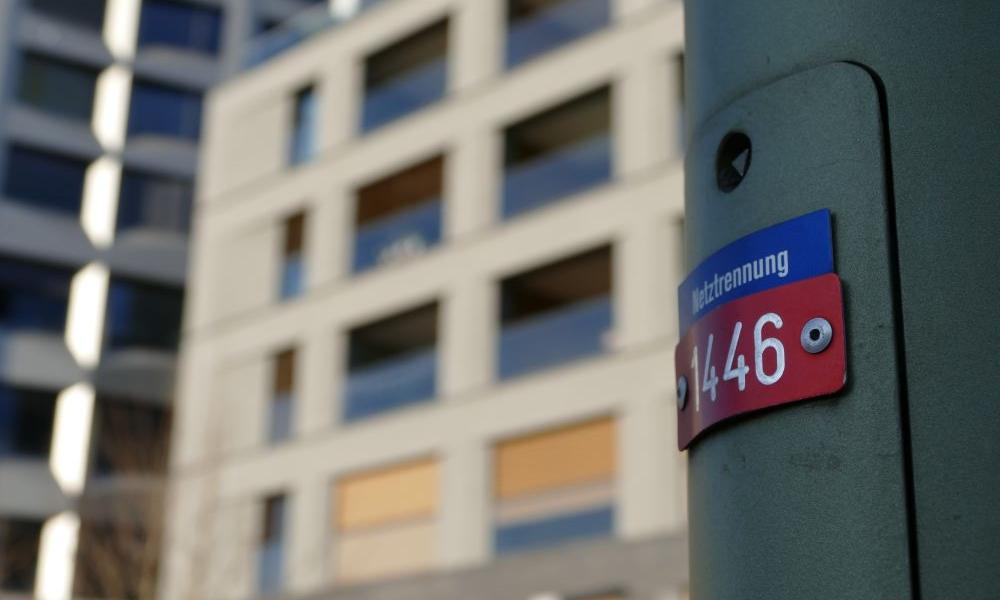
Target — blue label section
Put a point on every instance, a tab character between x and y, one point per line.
796	249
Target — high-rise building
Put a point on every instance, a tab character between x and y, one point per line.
430	325
100	116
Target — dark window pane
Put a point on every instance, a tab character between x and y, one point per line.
274	519
163	110
151	201
26	421
82	13
555	314
399	216
304	125
180	25
143	315
392	363
32	296
406	76
563	151
270	554
131	437
57	87
18	554
283	396
293	268
539	26
45	180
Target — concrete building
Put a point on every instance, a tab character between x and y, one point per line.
100	109
429	331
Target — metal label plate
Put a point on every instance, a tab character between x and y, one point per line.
757	352
793	250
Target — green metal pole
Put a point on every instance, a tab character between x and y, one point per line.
887	113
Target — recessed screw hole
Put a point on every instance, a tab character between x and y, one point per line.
814	334
732	161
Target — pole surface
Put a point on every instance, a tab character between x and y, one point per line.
888	114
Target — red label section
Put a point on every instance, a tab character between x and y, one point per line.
749	354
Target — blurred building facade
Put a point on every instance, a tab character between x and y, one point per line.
100	117
429	330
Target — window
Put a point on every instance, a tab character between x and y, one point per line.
392	363
44	180
19	540
143	315
132	436
184	25
304	126
406	76
33	297
265	25
385	522
535	27
282	397
554	487
555	314
158	109
561	152
57	87
271	552
399	216
26	417
153	202
88	14
293	266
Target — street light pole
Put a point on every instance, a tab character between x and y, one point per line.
881	120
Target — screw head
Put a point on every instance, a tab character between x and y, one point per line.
816	335
682	393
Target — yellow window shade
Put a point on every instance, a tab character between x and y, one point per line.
387	495
566	456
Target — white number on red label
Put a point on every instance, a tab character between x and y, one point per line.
711	380
736	367
741	370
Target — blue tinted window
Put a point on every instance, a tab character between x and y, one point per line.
399	216
143	315
26	421
180	25
598	522
45	180
561	152
304	126
282	397
271	552
154	202
555	314
555	337
82	13
293	264
157	109
33	297
536	27
392	363
405	77
57	87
